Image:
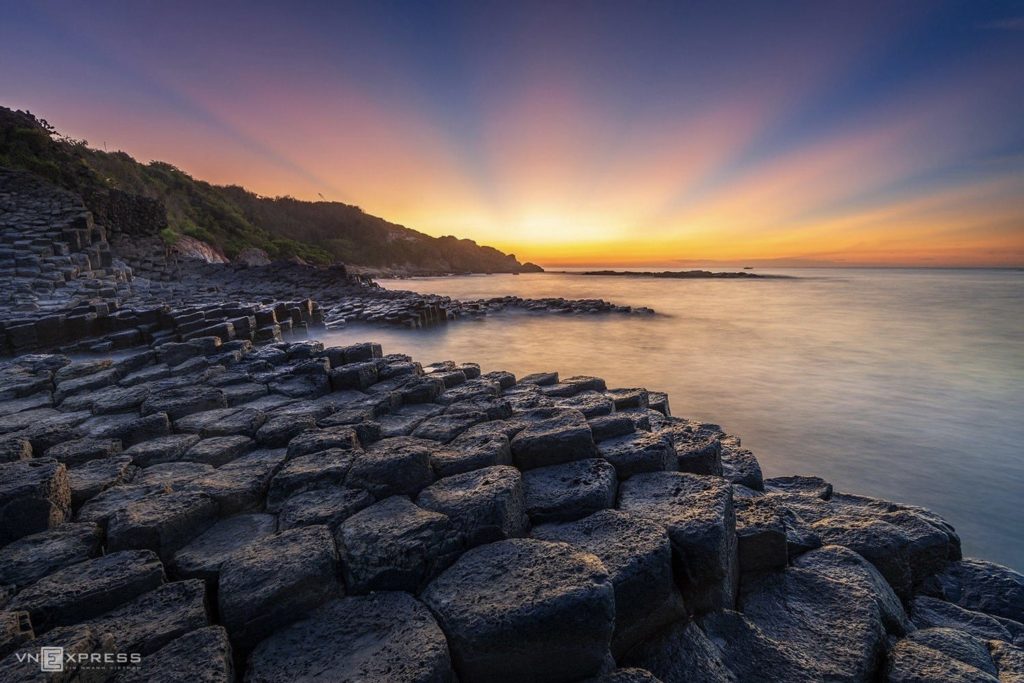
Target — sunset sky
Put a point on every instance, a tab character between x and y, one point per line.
571	132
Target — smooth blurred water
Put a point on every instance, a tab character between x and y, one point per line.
901	384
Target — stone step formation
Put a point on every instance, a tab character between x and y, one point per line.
64	286
228	511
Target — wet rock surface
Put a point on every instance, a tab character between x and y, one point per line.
206	487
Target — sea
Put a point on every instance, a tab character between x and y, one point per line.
902	384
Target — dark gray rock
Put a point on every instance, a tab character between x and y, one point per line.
553	436
330	506
154	619
316	440
395	466
485	505
681	653
379	638
162	449
569	491
761	540
639	452
982	587
1009	660
162	523
203	556
172	474
847	567
308	472
638	557
808	486
447	426
202	656
30	558
698	513
929	612
219	450
245	421
15	448
831	618
89	588
741	467
279	430
241	485
610	426
753	656
353	376
35	495
75	641
128	429
395	545
402	421
274	581
590	403
15	631
181	401
79	451
471	452
911	661
958	645
525	609
575	385
628	675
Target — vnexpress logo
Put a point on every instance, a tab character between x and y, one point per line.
51	659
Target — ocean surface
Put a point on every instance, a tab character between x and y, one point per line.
906	385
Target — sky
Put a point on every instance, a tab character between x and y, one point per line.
571	133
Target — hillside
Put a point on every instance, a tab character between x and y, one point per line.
231	218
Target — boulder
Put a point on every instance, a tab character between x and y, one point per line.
525	609
203	556
553	436
90	588
927	612
638	557
274	581
380	638
980	586
910	662
77	644
639	452
751	655
201	656
958	645
244	421
485	505
129	429
395	466
681	653
395	545
30	558
569	491
698	513
610	426
35	495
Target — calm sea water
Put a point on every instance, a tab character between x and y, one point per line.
900	384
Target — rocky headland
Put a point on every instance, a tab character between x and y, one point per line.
200	491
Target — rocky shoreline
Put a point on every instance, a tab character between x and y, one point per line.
267	512
202	493
70	284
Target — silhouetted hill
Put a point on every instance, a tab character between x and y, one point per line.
232	218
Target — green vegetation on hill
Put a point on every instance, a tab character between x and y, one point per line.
232	218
